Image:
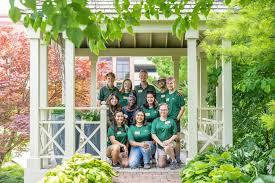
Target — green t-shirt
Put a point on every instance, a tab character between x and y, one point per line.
150	113
139	134
123	98
161	97
120	135
164	130
141	93
105	92
175	101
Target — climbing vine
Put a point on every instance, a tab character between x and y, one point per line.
78	21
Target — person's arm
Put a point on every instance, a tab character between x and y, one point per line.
138	144
154	137
182	109
169	141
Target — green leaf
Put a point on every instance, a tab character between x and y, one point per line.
227	2
26	20
92	31
30	4
43	26
48	8
15	14
126	4
175	25
12	3
130	30
101	45
75	35
37	23
93	47
83	16
117	6
195	20
81	2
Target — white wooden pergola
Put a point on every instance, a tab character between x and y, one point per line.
206	125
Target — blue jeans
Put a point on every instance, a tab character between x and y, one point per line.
60	138
138	153
88	130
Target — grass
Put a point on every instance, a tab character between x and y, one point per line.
12	174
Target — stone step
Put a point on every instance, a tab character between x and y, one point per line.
153	175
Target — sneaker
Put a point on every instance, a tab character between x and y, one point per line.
147	166
180	163
173	165
116	166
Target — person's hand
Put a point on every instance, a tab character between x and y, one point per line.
180	94
166	142
145	145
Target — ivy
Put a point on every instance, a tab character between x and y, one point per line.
78	21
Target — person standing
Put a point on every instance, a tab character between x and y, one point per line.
125	91
142	89
176	104
161	94
107	90
164	132
150	108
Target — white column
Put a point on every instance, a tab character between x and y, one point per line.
176	63
103	131
69	98
227	97
34	162
191	36
93	59
44	90
203	83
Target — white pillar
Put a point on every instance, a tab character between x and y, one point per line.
203	85
69	98
176	63
44	90
93	59
191	36
227	97
31	174
103	132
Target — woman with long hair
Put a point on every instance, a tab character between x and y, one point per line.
150	108
139	136
125	91
117	143
113	104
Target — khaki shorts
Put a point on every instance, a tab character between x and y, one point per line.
161	151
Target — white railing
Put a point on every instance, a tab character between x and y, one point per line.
210	127
90	134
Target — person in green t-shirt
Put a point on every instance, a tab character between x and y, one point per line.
139	136
113	104
164	132
107	90
141	90
161	94
117	143
176	104
125	91
150	108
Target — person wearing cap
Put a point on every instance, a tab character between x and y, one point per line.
142	89
107	90
125	91
176	104
161	94
150	108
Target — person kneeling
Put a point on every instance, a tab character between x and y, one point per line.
142	147
164	132
117	144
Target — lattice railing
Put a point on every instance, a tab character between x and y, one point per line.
210	127
90	133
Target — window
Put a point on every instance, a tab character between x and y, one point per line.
122	68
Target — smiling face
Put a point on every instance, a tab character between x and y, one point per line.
127	85
150	98
163	111
114	101
131	101
139	117
110	80
162	83
143	76
170	85
119	117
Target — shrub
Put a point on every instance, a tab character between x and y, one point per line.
12	174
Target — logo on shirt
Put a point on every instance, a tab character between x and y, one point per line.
147	114
162	96
167	122
167	99
137	132
119	132
139	91
125	97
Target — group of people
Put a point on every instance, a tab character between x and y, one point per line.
143	124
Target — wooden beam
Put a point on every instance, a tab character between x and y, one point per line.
135	52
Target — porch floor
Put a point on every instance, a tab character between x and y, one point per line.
153	175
